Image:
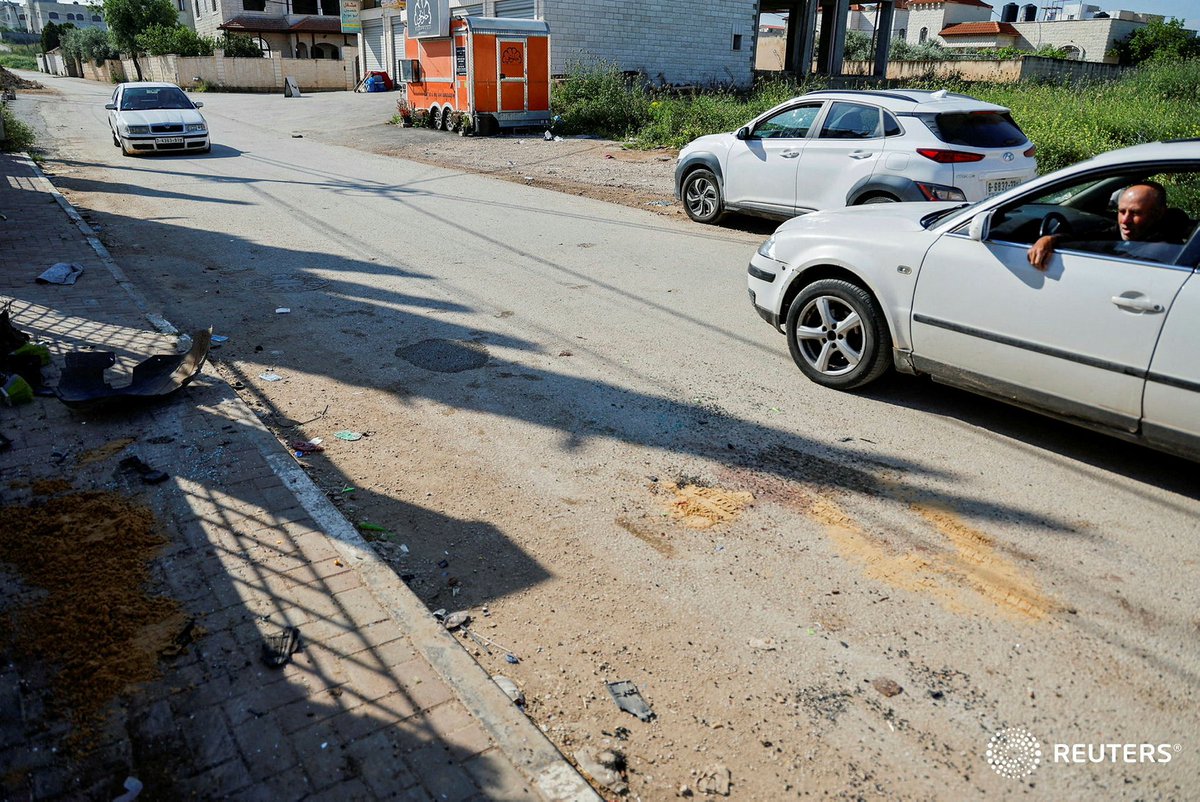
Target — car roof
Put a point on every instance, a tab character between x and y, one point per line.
1171	150
910	101
148	85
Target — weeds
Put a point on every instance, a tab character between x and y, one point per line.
17	135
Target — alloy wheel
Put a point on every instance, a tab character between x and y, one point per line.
830	335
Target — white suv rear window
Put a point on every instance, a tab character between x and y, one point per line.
976	129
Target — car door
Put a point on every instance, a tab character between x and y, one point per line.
1171	417
846	150
760	171
1075	339
112	114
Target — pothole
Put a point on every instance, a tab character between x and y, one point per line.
445	356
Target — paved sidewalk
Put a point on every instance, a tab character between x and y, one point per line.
381	703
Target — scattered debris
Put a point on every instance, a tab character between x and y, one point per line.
270	377
219	340
762	644
303	447
887	687
348	435
511	659
82	384
366	526
15	390
149	475
61	273
279	648
658	203
714	780
282	310
606	768
456	620
133	787
510	689
627	697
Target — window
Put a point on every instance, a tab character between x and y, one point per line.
96	18
901	34
1084	213
891	126
304	6
53	15
331	8
214	5
978	129
254	5
793	123
921	37
737	41
851	121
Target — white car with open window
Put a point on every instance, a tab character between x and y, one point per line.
1106	334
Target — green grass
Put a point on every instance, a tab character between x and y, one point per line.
1067	122
17	135
15	61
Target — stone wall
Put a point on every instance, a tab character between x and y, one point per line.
245	74
1093	38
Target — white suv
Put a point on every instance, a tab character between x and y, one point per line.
829	149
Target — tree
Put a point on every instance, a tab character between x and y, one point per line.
1157	41
159	40
52	35
239	46
86	44
127	18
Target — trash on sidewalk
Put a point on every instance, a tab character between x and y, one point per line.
347	435
282	310
218	340
887	687
82	384
627	697
270	377
511	659
605	767
15	390
367	526
510	688
714	780
279	648
456	620
307	446
149	475
133	787
61	273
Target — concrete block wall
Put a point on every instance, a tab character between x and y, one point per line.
1093	37
676	42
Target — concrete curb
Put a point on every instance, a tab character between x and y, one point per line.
518	738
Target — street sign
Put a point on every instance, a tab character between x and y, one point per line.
350	21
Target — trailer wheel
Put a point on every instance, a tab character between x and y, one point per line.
449	120
435	116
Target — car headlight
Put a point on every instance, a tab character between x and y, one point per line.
194	128
767	249
137	129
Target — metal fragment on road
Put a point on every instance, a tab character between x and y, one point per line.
510	688
627	697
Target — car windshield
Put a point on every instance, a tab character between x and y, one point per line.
976	129
145	98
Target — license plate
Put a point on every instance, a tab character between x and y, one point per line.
1000	185
178	140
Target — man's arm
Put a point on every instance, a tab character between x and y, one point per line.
1041	251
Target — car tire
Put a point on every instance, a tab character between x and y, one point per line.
702	197
837	335
435	116
880	198
116	139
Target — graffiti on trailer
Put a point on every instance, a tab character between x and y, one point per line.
424	15
511	55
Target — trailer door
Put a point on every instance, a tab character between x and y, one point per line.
513	74
372	31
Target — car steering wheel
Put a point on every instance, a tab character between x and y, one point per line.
1054	223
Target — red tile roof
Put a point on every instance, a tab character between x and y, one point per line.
979	3
979	29
281	25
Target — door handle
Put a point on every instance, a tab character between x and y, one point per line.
860	154
790	154
1138	304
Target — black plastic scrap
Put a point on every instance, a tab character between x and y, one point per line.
82	385
626	695
279	648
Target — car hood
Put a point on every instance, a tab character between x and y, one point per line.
160	116
709	142
867	221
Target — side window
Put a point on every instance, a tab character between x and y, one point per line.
851	121
891	126
793	123
1132	216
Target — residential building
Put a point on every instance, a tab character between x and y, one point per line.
32	16
282	28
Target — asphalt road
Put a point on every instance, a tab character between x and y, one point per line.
546	380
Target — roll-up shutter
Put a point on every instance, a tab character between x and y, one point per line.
467	10
397	44
523	9
372	31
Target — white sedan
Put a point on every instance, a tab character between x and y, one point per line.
1107	335
148	117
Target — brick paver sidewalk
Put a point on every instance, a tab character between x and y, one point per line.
380	703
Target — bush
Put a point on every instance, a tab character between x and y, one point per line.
238	46
600	99
17	135
161	40
88	43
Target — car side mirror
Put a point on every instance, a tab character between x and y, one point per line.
981	226
110	106
743	132
198	103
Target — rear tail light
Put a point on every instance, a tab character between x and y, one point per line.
1032	150
949	156
937	192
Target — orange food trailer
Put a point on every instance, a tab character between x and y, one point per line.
496	70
